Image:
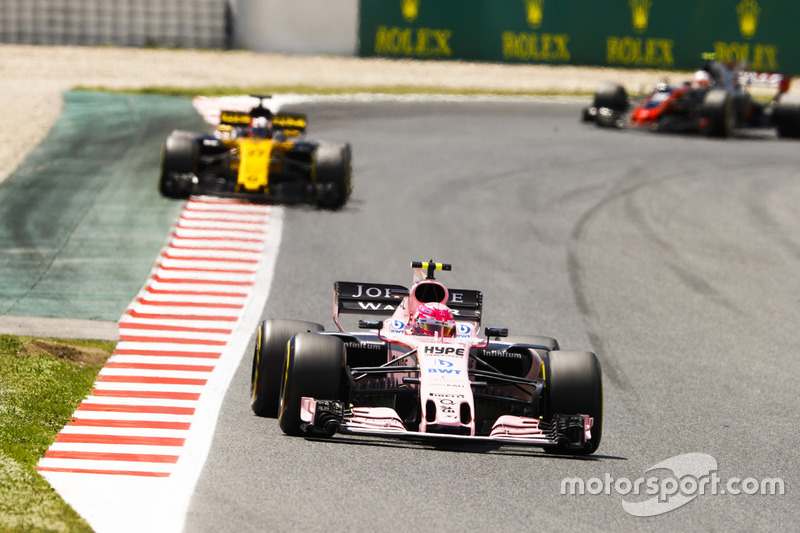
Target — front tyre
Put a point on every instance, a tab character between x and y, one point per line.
573	385
333	174
265	376
313	367
719	110
536	346
543	343
611	96
179	156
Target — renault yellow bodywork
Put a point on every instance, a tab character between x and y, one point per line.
255	156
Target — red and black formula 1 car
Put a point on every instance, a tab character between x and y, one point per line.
714	103
257	155
423	372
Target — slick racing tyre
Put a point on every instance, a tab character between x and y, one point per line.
178	165
536	346
265	377
787	116
611	96
720	111
573	384
313	367
539	342
334	174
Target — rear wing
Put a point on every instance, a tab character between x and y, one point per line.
772	80
291	124
382	299
366	298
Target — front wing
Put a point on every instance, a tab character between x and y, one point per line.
284	191
293	195
325	417
606	117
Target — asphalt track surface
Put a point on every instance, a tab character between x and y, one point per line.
674	258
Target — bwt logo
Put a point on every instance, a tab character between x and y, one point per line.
398	326
444	350
447	367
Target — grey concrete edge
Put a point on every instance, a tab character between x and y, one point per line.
59	328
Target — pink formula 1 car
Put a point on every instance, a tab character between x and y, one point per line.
424	372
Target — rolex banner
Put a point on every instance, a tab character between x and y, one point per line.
662	34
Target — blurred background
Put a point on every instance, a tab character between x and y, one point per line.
618	33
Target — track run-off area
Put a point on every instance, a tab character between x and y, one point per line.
130	456
674	258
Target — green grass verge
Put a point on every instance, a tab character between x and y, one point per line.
38	394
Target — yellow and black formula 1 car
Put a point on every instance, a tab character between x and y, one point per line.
259	156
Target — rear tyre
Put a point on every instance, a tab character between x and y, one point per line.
787	116
178	165
573	384
265	377
313	367
720	112
333	170
611	96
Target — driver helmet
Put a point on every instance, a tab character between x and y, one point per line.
433	319
260	127
701	80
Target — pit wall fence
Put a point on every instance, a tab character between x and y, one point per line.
135	23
